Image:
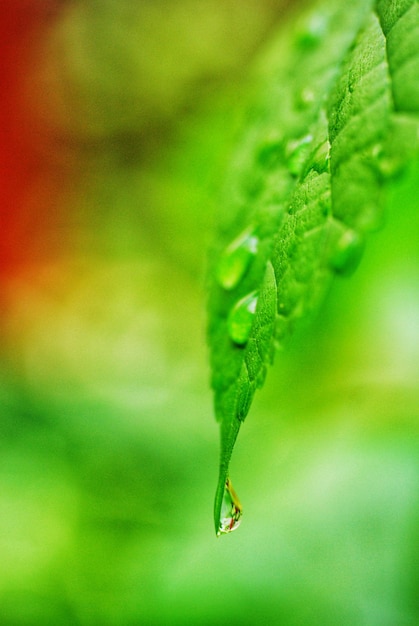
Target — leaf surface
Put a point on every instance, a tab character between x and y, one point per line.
335	119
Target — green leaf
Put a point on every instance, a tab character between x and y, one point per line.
335	119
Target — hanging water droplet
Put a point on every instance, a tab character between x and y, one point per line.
297	153
347	252
235	259
241	318
231	511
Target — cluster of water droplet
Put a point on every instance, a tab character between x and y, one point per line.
302	156
232	267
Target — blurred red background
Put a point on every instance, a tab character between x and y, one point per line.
31	177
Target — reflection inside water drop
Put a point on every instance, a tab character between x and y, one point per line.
321	158
240	320
347	252
312	32
305	98
236	259
297	152
231	511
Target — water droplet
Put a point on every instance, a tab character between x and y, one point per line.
388	165
235	259
321	159
312	32
231	511
371	217
271	152
347	253
241	318
297	153
305	98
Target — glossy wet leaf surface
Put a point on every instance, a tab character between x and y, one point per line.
335	120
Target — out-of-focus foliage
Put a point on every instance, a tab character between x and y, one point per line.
115	67
109	448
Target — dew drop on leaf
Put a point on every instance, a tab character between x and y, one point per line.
241	318
386	164
347	252
321	158
297	153
305	98
231	511
270	152
371	217
236	259
312	32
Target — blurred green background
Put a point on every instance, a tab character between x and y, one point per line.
109	448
